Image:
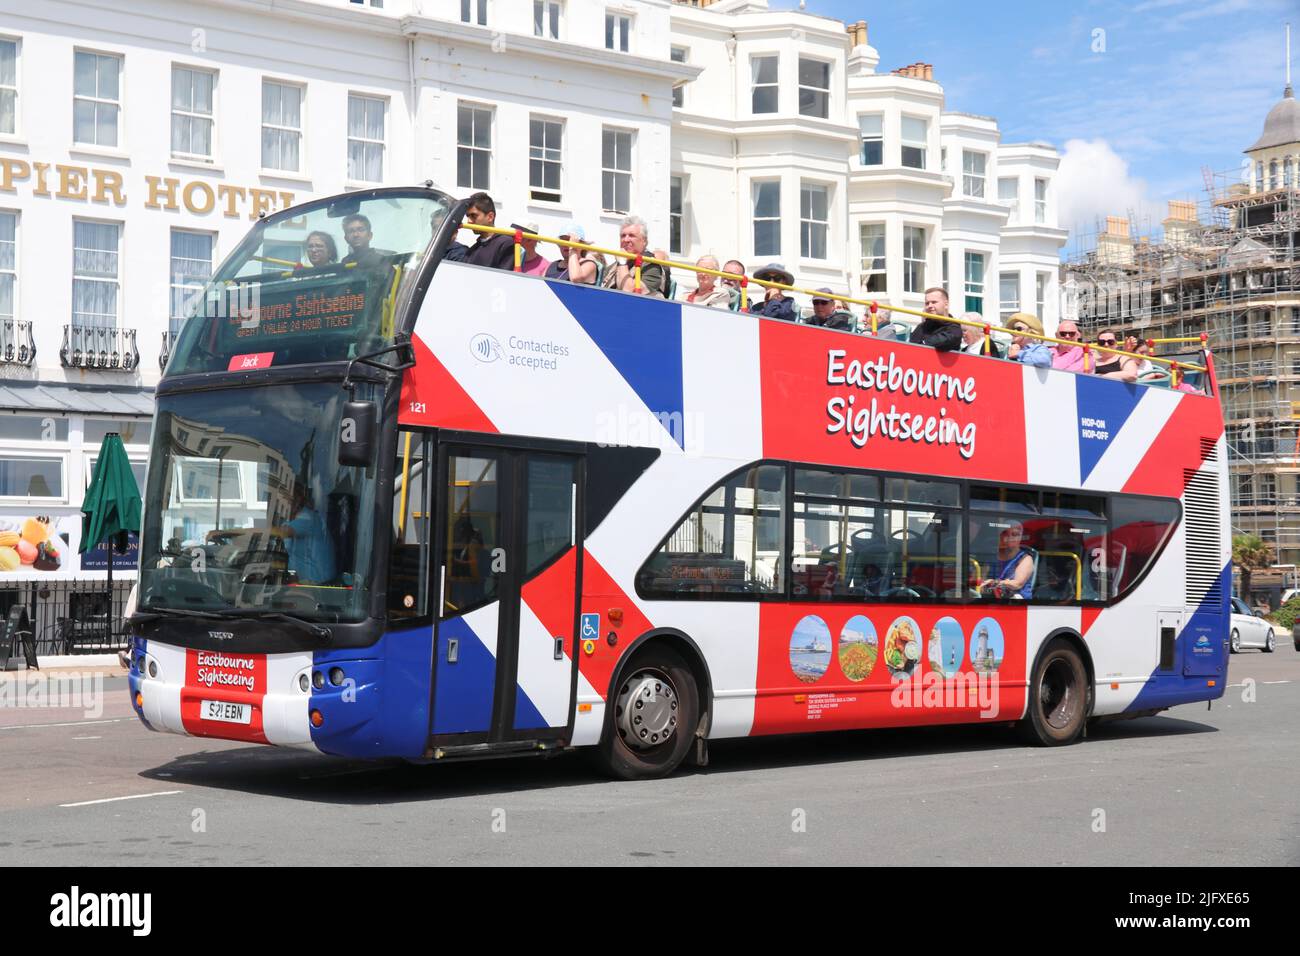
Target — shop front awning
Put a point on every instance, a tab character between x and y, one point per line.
75	399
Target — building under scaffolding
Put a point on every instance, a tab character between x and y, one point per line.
1226	266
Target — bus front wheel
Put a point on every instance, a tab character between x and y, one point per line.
1058	697
656	708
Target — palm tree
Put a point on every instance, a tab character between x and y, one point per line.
1250	553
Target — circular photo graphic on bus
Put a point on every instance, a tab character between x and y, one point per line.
947	647
810	649
986	646
858	648
902	648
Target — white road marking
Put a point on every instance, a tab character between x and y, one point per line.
70	723
1276	682
134	796
87	738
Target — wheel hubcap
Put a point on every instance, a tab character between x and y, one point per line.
646	714
1058	696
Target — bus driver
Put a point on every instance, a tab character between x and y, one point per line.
307	540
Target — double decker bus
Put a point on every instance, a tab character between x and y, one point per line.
405	507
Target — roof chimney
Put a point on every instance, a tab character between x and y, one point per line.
929	71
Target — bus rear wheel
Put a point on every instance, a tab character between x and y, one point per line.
1058	697
656	708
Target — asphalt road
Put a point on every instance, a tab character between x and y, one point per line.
1189	787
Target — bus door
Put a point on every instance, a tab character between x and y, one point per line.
510	553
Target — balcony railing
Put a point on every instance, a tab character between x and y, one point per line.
86	346
165	349
17	347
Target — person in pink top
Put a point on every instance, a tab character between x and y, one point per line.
533	263
1069	357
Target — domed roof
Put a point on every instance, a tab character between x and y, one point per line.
1282	125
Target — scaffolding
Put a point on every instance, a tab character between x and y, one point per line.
1225	265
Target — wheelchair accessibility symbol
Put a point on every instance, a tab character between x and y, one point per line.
590	627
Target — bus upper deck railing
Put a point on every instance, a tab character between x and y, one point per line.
873	307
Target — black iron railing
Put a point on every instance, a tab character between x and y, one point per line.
110	348
71	616
17	346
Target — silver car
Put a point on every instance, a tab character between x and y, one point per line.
1249	629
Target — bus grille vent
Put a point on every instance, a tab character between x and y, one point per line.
1204	547
1210	451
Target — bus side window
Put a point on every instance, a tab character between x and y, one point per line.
408	574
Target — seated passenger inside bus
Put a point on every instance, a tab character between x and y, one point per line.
1013	569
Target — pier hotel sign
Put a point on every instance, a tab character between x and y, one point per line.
107	187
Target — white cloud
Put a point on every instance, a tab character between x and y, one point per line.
1094	181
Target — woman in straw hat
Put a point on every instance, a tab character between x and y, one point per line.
1024	349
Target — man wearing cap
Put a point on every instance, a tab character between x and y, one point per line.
827	315
775	304
531	263
944	336
574	264
490	249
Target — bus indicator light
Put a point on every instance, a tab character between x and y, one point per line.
584	708
317	718
801	698
589	647
615	615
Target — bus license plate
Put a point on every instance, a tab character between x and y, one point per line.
226	711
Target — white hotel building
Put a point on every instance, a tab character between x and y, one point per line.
140	138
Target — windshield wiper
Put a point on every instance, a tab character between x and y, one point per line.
315	630
153	613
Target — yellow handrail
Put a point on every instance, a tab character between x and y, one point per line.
871	305
1078	568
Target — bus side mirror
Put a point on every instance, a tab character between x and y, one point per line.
357	430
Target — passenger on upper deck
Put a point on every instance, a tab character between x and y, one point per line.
1026	350
972	338
575	265
776	304
1119	367
707	291
827	314
321	249
357	234
1133	344
944	336
490	249
736	268
633	240
531	263
1068	358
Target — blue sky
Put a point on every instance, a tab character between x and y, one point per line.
1170	86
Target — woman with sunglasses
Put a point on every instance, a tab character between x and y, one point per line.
1119	367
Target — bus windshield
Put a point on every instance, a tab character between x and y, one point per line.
314	284
247	508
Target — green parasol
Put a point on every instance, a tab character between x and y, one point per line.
112	505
